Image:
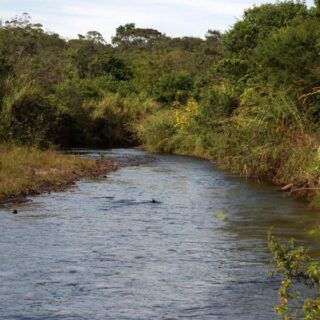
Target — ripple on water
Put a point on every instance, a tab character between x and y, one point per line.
105	251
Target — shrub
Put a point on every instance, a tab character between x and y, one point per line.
28	117
298	270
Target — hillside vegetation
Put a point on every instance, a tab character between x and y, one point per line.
248	98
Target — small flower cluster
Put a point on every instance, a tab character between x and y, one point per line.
186	113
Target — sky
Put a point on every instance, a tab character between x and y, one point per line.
172	17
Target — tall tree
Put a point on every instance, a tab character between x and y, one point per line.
128	35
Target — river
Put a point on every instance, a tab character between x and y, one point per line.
105	250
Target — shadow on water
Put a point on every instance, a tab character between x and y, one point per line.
174	238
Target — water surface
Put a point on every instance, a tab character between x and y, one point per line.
104	250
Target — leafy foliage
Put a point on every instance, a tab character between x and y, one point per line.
258	22
128	35
174	87
297	268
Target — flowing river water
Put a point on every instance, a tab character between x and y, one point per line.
105	250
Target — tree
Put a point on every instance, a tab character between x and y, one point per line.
28	117
214	36
174	87
258	22
23	21
95	37
106	64
288	56
128	35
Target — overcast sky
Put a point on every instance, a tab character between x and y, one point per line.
173	17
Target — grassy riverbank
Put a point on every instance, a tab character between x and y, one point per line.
242	144
28	171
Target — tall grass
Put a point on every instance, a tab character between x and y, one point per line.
25	170
266	136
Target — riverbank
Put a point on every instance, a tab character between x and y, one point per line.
307	188
112	228
26	171
287	158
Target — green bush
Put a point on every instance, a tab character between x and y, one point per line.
157	131
174	87
28	117
298	270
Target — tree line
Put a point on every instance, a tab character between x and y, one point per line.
248	97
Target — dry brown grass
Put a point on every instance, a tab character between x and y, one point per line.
27	170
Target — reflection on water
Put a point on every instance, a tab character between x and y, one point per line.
106	250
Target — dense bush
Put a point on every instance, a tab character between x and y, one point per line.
174	87
28	117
